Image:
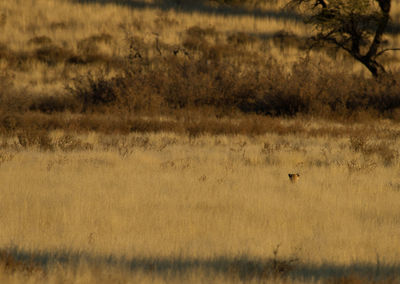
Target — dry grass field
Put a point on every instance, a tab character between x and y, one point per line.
151	142
44	44
47	37
156	208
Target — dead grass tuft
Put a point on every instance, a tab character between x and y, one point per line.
360	143
241	38
68	143
284	39
53	104
88	46
35	138
40	40
52	54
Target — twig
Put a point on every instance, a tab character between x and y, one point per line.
386	49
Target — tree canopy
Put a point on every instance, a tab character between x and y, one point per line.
356	26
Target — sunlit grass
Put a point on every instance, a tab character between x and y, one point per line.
182	207
67	23
166	196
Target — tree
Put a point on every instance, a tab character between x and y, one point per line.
356	26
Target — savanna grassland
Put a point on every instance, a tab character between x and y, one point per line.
164	207
151	141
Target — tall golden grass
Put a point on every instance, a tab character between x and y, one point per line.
164	207
114	168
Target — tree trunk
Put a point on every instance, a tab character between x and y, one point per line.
374	67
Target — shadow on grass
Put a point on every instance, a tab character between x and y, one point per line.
201	8
242	267
393	28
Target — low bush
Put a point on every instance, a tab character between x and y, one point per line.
203	76
52	54
208	79
51	104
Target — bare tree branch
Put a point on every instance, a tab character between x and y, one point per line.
356	27
385	9
320	2
385	50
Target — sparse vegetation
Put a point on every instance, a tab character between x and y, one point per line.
203	67
151	141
